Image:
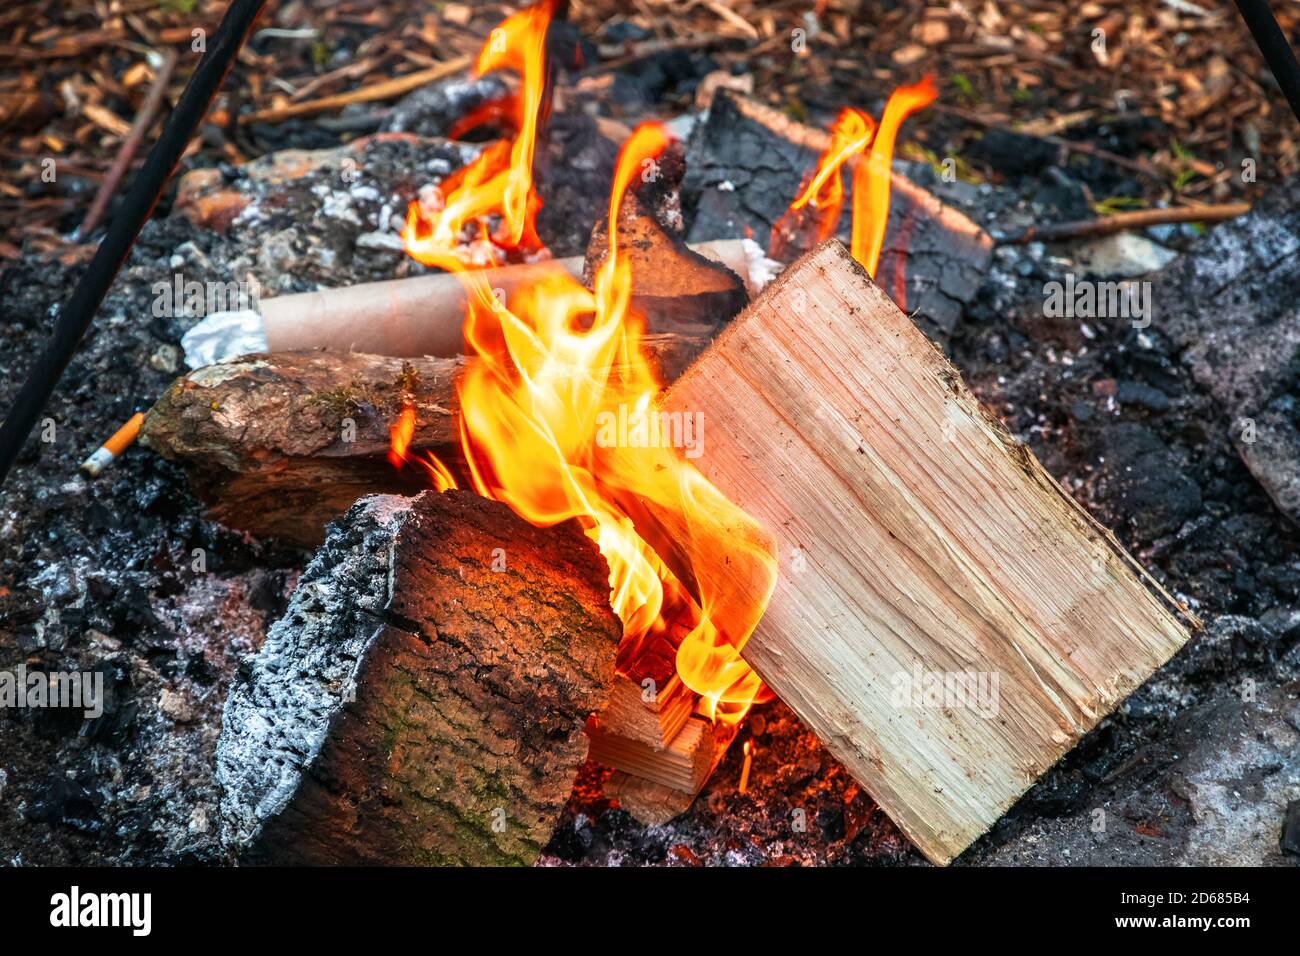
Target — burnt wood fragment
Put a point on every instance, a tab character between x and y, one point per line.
746	163
673	286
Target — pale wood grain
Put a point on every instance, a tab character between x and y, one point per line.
914	531
685	764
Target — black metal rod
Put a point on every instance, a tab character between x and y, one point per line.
1273	44
79	311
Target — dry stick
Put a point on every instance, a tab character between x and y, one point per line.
126	152
366	94
360	68
1107	225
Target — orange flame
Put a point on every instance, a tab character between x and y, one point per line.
852	132
560	370
499	183
400	434
744	769
871	179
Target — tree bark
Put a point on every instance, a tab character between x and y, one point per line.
423	699
281	444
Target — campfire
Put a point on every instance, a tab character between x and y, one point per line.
717	483
635	431
562	371
558	416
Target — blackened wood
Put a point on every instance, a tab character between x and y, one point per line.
745	165
674	287
416	705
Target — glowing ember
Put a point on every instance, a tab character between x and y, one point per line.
817	207
557	367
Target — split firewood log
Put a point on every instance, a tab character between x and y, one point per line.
280	444
947	619
422	701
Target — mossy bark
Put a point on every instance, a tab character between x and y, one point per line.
456	726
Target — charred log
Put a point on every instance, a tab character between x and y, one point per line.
746	164
423	699
673	286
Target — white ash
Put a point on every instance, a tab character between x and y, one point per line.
333	617
761	269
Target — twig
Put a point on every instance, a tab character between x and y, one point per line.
126	152
384	90
351	71
724	12
1137	219
1087	149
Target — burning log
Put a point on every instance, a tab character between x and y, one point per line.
745	165
947	619
423	698
281	444
673	285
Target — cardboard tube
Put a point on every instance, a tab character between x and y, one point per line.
417	316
